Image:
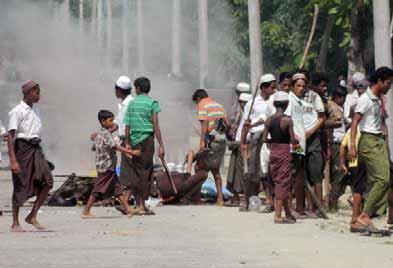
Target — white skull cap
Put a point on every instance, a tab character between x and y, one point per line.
281	96
245	97
243	87
267	78
124	82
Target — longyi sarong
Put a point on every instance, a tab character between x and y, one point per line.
107	184
280	169
35	171
139	170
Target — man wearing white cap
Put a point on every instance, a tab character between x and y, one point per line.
241	88
235	178
359	86
254	123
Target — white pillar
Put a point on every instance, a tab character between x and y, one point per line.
125	53
254	20
81	16
140	37
99	23
176	38
203	42
383	55
109	34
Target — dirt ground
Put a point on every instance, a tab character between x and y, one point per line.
192	236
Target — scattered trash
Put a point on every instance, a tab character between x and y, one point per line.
209	190
152	202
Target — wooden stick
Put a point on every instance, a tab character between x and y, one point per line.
314	25
169	176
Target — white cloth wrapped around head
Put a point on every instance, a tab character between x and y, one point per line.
267	78
281	96
124	82
245	97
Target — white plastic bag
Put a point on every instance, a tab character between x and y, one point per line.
265	159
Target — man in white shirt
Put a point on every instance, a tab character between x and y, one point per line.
254	124
295	111
3	131
123	93
235	178
359	87
31	174
372	148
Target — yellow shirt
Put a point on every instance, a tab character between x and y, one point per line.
346	142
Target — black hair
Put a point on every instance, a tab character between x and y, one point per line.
285	75
317	78
143	84
281	104
340	91
199	94
267	84
382	73
104	115
124	91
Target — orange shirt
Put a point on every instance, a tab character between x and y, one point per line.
209	110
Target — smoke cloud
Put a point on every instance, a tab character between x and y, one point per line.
76	58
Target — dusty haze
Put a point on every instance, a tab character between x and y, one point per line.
77	64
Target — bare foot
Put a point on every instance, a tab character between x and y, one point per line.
88	215
220	203
16	228
35	223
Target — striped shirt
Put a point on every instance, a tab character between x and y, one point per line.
209	110
139	118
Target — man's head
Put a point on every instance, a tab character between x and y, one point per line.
142	85
381	80
31	92
106	118
339	95
299	84
243	99
361	86
285	81
199	95
281	100
267	84
319	83
242	87
123	87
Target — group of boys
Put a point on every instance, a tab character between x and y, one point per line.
297	134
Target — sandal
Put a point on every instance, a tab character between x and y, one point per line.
284	221
267	209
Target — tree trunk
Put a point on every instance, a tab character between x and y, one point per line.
355	53
176	38
94	18
383	50
322	58
140	36
203	42
256	60
81	16
99	23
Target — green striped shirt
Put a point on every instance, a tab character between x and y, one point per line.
139	118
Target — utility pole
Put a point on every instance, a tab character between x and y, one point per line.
140	36
256	61
383	54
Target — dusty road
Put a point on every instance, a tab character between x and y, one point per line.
196	236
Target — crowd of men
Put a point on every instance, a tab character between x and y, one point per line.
291	137
286	139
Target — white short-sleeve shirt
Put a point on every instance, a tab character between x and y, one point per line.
350	100
25	120
295	111
122	108
312	105
258	112
369	106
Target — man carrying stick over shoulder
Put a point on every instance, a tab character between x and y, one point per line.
31	175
